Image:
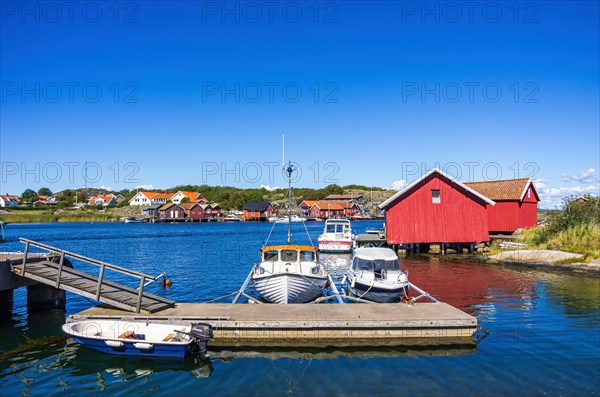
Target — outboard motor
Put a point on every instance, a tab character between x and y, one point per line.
202	333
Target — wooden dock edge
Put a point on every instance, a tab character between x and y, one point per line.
313	325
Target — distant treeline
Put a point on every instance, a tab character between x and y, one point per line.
228	197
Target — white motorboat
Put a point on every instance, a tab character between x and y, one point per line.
134	220
231	218
294	218
140	338
289	273
375	274
336	237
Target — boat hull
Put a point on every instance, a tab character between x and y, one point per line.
335	246
289	287
378	294
129	348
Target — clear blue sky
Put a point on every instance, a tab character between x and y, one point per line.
191	90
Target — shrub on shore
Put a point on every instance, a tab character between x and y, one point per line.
575	228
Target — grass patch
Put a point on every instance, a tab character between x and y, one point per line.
36	217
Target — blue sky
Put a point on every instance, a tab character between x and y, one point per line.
164	93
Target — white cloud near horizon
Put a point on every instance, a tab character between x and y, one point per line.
270	188
552	197
588	176
146	187
399	184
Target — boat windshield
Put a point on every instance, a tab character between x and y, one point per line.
289	255
336	228
270	256
307	256
376	265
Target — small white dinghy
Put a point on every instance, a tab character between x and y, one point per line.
140	338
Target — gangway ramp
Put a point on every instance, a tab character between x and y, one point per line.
90	286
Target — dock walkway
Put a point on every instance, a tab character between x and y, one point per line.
66	278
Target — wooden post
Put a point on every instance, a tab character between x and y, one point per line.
140	293
100	276
60	267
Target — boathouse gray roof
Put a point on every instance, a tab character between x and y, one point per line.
256	206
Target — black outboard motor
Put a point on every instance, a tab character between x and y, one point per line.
202	333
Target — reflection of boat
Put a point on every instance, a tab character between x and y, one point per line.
375	274
289	273
231	218
2	236
84	361
140	338
293	218
337	236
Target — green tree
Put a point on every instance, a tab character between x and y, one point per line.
184	200
44	191
28	194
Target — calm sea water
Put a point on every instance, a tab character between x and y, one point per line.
545	327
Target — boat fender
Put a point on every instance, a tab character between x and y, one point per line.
353	282
113	343
344	279
143	346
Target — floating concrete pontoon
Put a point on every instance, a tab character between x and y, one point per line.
245	325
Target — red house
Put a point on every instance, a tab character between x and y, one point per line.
193	212
258	211
171	212
325	210
516	204
436	208
306	205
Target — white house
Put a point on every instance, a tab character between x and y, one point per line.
192	196
8	200
150	198
105	200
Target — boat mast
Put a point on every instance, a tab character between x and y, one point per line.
289	171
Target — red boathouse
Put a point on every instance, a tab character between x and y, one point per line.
436	208
516	204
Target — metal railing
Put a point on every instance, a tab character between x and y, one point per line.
103	265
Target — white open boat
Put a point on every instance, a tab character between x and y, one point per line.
289	273
336	237
140	338
375	274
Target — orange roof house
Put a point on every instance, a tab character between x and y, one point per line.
105	200
149	198
194	197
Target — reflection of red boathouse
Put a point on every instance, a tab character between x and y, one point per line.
465	285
